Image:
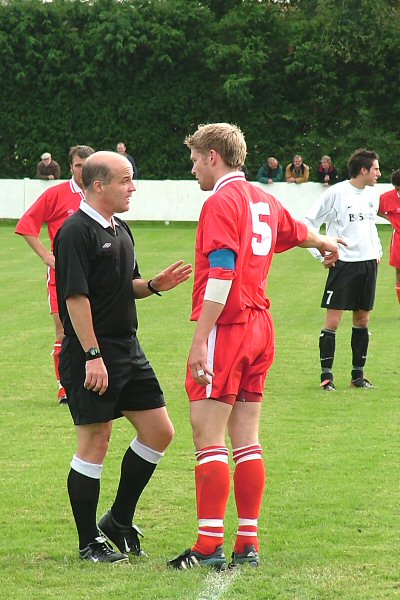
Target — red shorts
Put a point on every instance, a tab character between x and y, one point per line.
51	290
394	260
240	356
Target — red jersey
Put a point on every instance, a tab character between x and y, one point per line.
241	217
389	205
53	207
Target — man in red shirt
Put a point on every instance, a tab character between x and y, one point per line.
389	208
52	208
239	230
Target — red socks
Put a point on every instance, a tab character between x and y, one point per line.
212	491
56	358
249	479
398	291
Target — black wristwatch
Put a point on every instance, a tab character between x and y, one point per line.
93	353
152	290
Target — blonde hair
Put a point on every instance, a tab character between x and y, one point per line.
224	138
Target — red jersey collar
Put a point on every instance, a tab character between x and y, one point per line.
225	179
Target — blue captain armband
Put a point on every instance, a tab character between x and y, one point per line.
223	258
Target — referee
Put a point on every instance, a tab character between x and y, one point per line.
103	368
349	209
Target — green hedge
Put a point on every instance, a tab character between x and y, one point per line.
312	77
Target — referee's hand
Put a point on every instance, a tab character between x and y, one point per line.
96	376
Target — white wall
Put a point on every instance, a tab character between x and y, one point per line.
163	200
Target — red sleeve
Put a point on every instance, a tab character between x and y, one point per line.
220	227
33	219
290	232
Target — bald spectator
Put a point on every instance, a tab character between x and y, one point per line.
48	168
297	171
270	172
121	149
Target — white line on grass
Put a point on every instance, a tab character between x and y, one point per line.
216	584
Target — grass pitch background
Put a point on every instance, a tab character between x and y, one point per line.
330	522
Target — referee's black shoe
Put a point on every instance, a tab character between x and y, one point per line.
125	537
100	551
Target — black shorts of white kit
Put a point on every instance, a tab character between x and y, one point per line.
132	383
351	286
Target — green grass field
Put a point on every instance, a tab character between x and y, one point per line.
330	522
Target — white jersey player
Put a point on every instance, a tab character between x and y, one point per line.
349	209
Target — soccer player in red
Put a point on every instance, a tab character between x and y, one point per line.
389	208
239	230
52	208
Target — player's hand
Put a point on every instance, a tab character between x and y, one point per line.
49	260
171	276
329	249
96	376
197	363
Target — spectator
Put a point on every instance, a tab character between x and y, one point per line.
327	174
389	208
271	172
121	149
48	168
297	171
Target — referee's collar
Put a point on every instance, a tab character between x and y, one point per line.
96	216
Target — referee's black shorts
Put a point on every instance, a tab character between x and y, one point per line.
351	286
132	383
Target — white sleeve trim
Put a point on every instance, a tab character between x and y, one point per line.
217	290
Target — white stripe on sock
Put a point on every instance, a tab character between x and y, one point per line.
211	523
91	470
145	452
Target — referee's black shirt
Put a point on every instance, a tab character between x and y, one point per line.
99	263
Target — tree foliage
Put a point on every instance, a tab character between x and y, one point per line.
307	76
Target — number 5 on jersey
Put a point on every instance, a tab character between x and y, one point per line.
262	234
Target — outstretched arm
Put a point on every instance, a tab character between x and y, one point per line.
168	279
327	246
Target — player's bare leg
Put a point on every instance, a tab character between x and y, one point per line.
59	336
249	480
398	284
209	419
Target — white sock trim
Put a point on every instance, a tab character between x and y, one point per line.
249	457
211	522
252	522
152	456
215	458
84	468
210	533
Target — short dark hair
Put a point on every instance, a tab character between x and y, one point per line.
361	159
395	178
81	151
95	170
